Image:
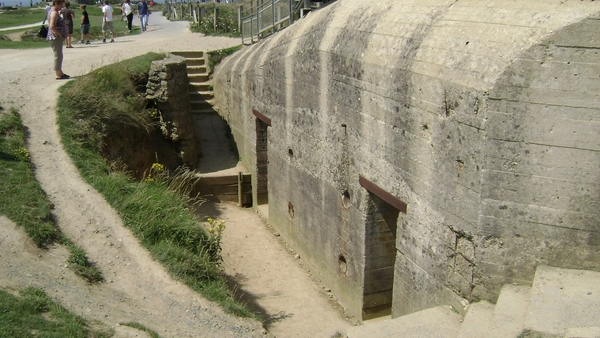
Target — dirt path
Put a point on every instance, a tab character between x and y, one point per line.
138	289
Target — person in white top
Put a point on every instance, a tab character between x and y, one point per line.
128	12
107	22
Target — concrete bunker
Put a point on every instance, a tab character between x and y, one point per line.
482	116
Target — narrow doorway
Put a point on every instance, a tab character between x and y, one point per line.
380	250
262	161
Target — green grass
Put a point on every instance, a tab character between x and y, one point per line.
216	56
159	215
23	200
33	314
22	16
31	40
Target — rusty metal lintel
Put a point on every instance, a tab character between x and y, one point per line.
384	195
261	117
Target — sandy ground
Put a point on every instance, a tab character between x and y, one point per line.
267	274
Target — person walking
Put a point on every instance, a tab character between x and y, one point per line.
107	23
128	12
143	14
68	15
85	25
57	33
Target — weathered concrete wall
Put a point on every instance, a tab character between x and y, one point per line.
168	87
482	116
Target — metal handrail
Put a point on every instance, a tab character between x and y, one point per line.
267	17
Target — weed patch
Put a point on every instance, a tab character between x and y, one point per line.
33	314
216	56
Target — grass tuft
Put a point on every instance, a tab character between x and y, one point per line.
78	261
33	314
216	56
141	327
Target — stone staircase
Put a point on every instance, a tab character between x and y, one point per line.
201	91
560	303
222	175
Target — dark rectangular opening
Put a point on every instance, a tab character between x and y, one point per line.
380	250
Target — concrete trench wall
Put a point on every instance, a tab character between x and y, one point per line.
483	117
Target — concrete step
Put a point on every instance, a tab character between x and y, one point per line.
192	70
198	77
563	299
195	62
437	322
200	86
510	311
190	53
201	95
478	320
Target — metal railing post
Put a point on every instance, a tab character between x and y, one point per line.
258	14
272	15
240	26
251	22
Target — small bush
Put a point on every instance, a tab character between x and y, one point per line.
227	20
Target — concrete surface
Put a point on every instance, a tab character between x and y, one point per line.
481	116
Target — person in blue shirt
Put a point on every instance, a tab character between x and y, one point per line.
143	14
